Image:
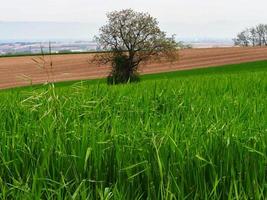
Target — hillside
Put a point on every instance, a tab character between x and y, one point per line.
19	71
191	134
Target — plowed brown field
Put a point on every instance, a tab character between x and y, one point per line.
20	71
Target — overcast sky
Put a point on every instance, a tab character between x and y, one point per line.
82	18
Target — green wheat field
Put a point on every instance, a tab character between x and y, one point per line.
198	134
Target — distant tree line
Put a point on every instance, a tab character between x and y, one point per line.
254	36
182	45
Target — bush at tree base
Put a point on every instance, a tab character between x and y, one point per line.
122	72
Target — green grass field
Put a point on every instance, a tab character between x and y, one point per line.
198	134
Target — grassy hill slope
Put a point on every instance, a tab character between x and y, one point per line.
198	134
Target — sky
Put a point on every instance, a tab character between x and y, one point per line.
81	19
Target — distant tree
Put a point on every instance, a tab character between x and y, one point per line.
253	36
260	33
129	39
242	38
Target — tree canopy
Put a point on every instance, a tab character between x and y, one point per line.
136	38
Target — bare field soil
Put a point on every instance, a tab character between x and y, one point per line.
21	71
